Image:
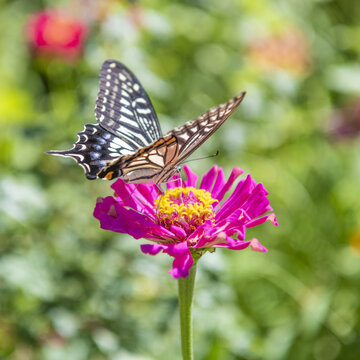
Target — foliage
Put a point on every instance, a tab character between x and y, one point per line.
70	290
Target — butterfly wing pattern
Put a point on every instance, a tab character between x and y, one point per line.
126	121
127	140
158	161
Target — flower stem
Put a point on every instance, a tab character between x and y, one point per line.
186	292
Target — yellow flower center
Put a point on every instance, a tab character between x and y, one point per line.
187	208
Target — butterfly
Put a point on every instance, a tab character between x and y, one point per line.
127	141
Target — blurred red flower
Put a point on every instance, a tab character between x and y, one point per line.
55	34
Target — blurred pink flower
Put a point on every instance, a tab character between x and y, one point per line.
56	34
345	123
187	221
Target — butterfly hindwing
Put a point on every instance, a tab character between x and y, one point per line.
95	148
150	164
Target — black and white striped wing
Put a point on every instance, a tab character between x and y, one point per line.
157	162
126	121
195	132
123	107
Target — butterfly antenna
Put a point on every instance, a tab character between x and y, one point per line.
122	200
178	169
160	189
202	158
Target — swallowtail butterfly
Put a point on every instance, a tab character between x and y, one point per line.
127	141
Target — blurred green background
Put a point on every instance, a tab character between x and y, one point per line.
69	290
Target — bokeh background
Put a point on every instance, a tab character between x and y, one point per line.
69	290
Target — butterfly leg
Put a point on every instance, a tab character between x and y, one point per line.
161	188
122	200
178	171
162	192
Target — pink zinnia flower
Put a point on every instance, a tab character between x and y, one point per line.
187	221
56	34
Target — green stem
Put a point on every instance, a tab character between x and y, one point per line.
186	292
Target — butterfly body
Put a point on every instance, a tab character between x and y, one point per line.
127	141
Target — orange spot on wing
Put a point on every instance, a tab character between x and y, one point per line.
109	175
171	140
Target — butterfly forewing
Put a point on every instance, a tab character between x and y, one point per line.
158	161
123	107
191	135
127	121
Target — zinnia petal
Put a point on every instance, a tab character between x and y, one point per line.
256	246
151	249
183	260
209	178
236	199
271	217
191	177
222	190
